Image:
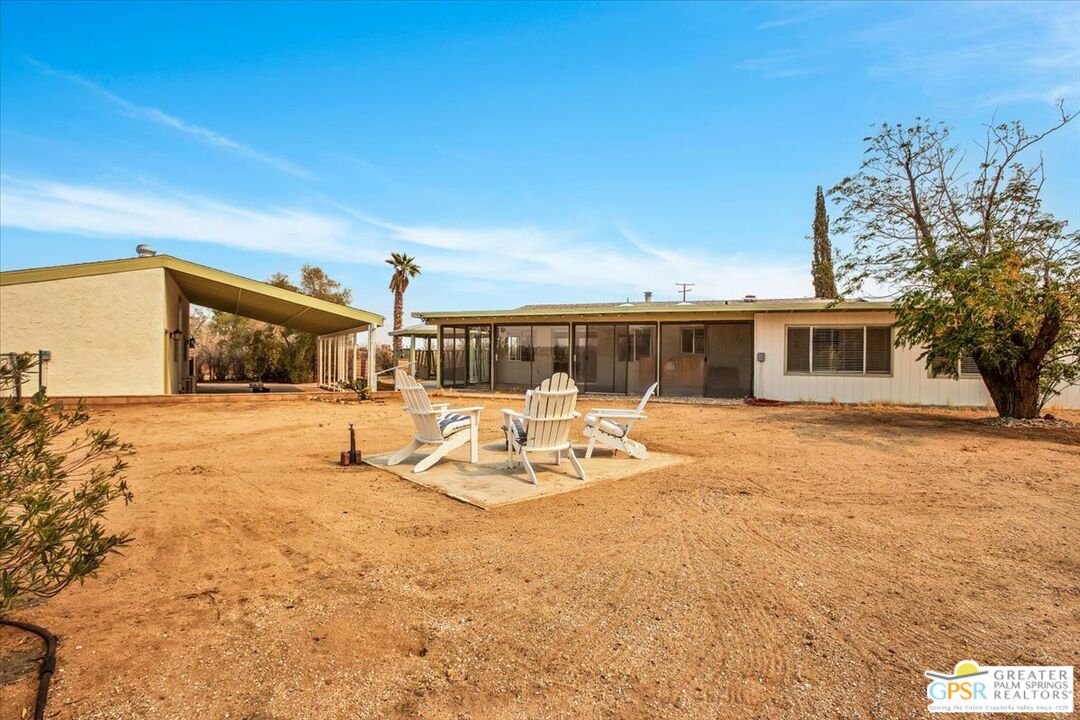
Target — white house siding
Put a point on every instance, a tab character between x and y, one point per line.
106	332
1069	398
909	383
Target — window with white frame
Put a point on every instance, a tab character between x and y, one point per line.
839	350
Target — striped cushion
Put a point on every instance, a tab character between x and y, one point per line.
452	423
613	429
519	430
520	435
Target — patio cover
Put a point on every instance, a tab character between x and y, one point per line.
418	330
220	290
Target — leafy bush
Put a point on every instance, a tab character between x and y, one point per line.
53	492
359	386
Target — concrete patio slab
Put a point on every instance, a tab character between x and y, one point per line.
489	483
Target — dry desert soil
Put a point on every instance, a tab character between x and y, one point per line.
805	562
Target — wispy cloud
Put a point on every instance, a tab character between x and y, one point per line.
781	64
583	261
55	207
798	13
989	53
975	53
160	117
1060	44
580	259
1052	95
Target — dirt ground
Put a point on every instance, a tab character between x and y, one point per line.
805	562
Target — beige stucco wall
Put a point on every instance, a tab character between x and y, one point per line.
909	383
106	332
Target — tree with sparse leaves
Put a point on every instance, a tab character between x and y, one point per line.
976	265
233	347
405	268
299	357
57	480
822	267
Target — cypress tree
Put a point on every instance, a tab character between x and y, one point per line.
822	268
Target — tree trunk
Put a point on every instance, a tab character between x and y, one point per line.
399	310
1015	391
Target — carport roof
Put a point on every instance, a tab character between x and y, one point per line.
220	290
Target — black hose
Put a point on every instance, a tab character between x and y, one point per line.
48	664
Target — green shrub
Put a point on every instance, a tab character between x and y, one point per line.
54	492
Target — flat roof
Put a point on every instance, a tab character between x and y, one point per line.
661	307
417	330
220	290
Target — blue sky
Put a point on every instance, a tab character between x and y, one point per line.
523	153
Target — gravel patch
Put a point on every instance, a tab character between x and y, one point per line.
1047	421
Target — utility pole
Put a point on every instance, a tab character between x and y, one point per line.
684	288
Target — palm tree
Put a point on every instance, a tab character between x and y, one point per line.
405	268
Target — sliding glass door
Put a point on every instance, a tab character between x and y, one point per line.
513	357
479	343
526	355
466	356
453	357
551	351
640	351
614	358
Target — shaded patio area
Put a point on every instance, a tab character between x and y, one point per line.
243	386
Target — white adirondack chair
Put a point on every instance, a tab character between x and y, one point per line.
522	421
611	427
436	424
545	426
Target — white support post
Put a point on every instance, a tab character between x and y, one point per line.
319	362
352	351
337	360
437	356
373	381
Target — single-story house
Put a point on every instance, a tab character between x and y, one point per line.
120	327
782	349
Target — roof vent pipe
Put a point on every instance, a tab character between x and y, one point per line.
648	296
145	251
